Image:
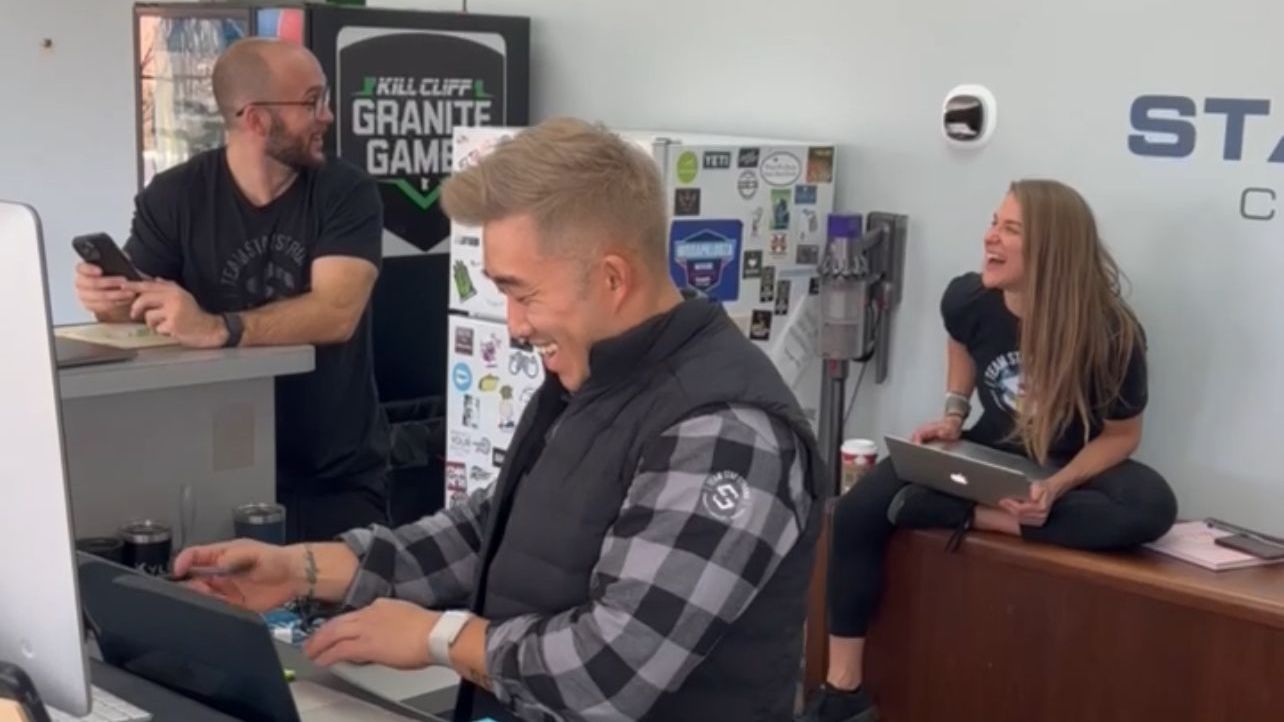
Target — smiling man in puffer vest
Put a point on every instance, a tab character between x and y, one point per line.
646	550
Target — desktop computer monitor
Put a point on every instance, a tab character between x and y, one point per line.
40	622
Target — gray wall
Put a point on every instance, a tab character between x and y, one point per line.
870	76
67	124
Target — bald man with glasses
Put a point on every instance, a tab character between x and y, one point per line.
267	241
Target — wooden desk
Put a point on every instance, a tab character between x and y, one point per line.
1010	631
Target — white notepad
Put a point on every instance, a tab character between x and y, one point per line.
119	335
1192	541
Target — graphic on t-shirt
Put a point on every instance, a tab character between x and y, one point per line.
265	269
1003	380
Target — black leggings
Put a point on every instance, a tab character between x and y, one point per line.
1127	505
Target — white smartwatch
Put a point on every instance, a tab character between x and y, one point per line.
444	633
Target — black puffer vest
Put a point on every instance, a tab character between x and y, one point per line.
538	553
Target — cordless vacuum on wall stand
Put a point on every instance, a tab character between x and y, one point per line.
861	275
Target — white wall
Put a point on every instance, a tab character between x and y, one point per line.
67	124
871	76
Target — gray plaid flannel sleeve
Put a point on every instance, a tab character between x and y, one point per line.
717	502
431	562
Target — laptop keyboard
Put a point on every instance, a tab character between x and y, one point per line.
107	707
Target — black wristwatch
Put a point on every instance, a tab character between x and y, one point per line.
235	329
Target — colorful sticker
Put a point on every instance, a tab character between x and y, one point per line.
456	483
810	223
781	169
748	158
472	412
767	285
686	202
704	254
779	245
464	341
783	288
807	254
462	376
489	382
747	184
760	326
523	362
805	195
464	282
462	442
753	264
779	209
717	159
820	165
688	167
480	477
507	412
490	351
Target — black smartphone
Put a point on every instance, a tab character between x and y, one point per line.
100	250
1249	545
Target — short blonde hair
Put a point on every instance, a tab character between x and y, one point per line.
577	180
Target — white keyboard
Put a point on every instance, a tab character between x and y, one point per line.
107	707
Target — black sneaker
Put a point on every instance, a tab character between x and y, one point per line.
835	705
917	507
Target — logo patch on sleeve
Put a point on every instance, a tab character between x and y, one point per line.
725	495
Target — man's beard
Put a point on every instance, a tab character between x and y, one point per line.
293	151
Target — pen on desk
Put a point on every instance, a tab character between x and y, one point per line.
198	572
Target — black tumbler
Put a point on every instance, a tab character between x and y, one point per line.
110	548
147	546
263	521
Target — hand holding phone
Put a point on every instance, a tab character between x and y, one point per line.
101	279
100	250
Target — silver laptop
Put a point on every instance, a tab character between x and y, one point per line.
965	469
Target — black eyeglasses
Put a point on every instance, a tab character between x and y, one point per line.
318	104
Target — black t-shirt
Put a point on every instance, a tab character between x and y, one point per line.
978	318
192	225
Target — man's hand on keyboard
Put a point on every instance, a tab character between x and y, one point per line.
392	632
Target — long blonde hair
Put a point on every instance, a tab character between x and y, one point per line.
1077	333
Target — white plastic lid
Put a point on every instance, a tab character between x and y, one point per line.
858	447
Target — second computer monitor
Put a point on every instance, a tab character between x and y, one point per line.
40	627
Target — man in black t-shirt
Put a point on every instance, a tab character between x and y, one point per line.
263	242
